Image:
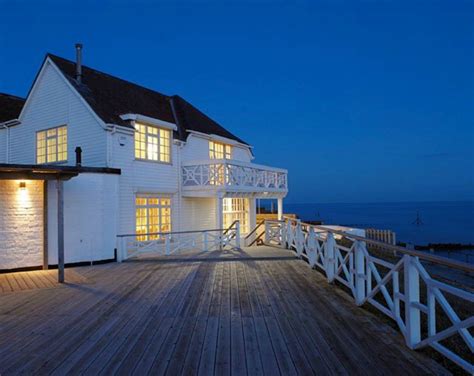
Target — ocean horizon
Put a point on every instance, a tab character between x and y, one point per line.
438	221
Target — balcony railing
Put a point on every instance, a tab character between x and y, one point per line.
234	174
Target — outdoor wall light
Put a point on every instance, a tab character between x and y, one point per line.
22	185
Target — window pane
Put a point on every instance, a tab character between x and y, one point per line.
153	215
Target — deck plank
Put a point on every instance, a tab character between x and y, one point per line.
231	315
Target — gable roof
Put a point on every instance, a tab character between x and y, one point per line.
10	107
111	97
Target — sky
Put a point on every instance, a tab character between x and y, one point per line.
362	101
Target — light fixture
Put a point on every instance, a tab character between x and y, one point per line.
22	185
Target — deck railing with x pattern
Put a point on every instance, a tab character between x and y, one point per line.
402	289
235	174
170	243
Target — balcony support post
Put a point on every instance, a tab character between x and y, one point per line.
280	208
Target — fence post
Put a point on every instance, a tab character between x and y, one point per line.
412	297
329	256
299	237
237	234
360	278
167	244
267	232
283	234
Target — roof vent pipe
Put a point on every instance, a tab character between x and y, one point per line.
78	63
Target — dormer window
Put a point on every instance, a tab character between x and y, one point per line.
51	145
152	143
218	150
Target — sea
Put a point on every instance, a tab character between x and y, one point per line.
418	223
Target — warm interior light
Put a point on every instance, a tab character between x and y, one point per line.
22	185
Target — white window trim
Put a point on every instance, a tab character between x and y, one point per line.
63	161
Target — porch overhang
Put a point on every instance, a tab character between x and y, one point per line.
48	172
222	191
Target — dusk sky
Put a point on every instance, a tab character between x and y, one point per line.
368	101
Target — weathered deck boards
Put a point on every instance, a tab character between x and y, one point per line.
18	281
248	314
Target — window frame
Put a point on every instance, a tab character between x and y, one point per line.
159	220
224	146
46	145
158	137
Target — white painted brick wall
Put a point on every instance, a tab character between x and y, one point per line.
21	224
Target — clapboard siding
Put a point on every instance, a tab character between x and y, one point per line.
142	177
53	103
198	213
197	148
3	145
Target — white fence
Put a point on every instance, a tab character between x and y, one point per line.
222	172
169	243
403	290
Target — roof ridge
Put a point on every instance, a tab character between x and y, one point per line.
13	96
109	75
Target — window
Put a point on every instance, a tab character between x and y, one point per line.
236	209
218	150
152	215
152	143
51	145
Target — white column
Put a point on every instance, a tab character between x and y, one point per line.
219	210
280	209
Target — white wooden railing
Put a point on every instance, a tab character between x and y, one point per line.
231	173
402	289
169	243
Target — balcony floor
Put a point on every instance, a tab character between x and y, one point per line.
260	311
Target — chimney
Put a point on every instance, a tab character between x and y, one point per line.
78	62
78	156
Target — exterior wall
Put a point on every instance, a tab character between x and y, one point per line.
3	145
199	213
21	224
53	103
197	148
144	177
90	218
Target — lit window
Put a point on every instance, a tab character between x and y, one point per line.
152	143
236	209
218	150
51	145
152	215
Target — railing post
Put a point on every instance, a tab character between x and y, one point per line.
167	244
329	256
299	239
283	235
237	234
267	232
360	278
204	235
412	297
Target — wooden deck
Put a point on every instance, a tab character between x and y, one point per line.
253	314
37	279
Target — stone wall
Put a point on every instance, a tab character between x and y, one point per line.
21	224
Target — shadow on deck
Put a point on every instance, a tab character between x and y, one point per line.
264	312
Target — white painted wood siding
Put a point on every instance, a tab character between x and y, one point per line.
3	146
145	177
197	148
53	103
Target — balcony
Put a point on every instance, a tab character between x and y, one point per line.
207	178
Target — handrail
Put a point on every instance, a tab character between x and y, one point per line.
255	229
174	232
384	246
232	162
230	227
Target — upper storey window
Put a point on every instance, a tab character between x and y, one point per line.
152	143
218	150
51	145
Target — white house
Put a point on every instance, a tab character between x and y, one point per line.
154	164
